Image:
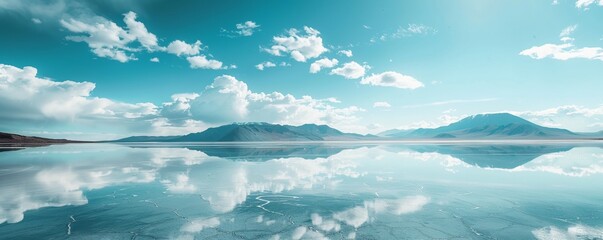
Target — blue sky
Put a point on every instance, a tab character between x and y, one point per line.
135	69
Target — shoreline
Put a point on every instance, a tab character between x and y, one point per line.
327	142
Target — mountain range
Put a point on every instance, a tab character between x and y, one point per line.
481	126
489	126
257	132
493	126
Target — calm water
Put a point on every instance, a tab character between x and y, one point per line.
313	191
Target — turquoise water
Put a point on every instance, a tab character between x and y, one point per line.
303	191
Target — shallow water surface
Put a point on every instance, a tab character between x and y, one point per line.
303	191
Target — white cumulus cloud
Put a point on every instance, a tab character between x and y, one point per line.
139	31
247	28
298	45
178	47
351	70
104	37
322	63
381	105
26	97
392	79
564	51
201	61
229	100
107	39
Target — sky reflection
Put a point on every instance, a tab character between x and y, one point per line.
359	185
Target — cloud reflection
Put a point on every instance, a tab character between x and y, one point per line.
572	232
578	162
59	175
63	175
358	215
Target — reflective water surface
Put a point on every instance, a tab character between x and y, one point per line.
303	191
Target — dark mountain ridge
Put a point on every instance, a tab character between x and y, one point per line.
12	139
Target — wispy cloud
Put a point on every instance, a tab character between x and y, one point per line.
410	30
448	102
268	64
347	53
565	50
572	117
586	3
568	30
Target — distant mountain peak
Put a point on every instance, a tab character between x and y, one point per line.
489	126
496	114
495	118
250	123
314	124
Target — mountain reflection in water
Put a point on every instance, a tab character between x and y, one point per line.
294	191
